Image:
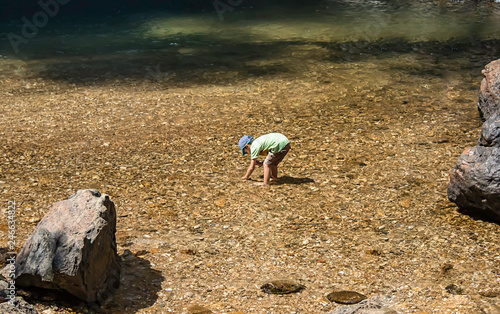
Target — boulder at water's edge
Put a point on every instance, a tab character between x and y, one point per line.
475	180
489	94
73	248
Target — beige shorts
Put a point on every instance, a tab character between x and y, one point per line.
275	159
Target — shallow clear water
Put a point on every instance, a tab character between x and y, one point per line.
130	45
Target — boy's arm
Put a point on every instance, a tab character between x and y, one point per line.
250	169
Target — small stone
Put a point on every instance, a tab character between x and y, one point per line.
189	252
374	252
27	294
282	287
141	253
446	268
454	289
198	309
345	297
490	293
127	255
368	306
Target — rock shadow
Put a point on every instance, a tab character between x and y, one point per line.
480	215
194	60
139	286
3	257
292	180
205	60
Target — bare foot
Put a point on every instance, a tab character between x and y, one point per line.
261	183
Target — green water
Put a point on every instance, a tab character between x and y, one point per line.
249	40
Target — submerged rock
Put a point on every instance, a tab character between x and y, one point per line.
282	287
198	309
368	306
345	297
454	289
73	248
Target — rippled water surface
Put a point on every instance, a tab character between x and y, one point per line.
254	41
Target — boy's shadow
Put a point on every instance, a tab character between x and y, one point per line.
292	180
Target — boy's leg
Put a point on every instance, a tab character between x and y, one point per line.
267	173
274	172
272	160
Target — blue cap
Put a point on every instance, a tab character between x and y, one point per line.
244	141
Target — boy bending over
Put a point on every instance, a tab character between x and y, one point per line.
274	145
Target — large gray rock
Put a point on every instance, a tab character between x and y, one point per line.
475	182
489	95
73	248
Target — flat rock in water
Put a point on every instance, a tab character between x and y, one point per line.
345	297
368	306
198	309
454	289
282	287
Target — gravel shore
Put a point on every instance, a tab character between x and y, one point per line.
361	204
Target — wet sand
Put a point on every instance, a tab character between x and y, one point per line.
361	204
